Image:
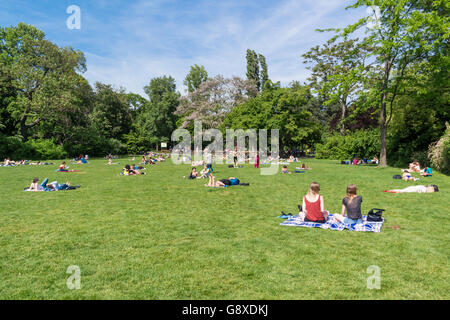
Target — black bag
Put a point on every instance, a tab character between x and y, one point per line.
397	176
374	215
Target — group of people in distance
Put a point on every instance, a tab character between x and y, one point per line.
313	207
152	158
7	162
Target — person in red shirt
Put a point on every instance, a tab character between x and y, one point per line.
313	206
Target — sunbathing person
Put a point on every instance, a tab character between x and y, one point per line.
352	204
205	172
34	186
406	176
419	189
426	172
193	174
231	181
313	206
414	166
63	167
128	171
53	186
285	170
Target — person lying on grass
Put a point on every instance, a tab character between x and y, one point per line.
313	206
303	167
406	176
352	204
419	189
53	186
128	171
231	181
285	170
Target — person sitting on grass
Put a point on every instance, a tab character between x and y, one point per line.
285	170
406	176
63	167
352	204
34	186
426	172
313	206
414	166
419	189
231	181
194	174
205	172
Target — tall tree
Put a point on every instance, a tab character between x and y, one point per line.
111	111
196	76
264	76
253	68
407	31
161	118
336	67
40	72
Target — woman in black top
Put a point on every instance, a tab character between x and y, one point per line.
352	204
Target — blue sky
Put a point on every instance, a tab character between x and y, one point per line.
126	43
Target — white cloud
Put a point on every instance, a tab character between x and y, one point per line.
155	41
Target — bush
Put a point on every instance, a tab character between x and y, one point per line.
14	148
46	149
439	152
361	144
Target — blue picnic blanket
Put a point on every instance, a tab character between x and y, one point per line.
366	226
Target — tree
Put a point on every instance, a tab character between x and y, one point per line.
253	68
39	71
196	76
214	99
111	114
264	76
160	118
335	73
406	32
285	109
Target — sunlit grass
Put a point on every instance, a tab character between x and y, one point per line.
160	236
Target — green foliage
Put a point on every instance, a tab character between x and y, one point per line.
46	149
196	76
360	144
285	109
439	152
14	148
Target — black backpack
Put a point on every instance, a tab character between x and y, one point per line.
374	215
397	176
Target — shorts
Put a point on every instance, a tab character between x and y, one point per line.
352	221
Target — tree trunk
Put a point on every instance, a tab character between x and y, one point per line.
383	158
23	128
343	115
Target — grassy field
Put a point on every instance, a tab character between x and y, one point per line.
160	236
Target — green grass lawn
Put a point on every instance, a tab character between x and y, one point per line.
160	236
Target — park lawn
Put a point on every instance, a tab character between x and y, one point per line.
160	236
